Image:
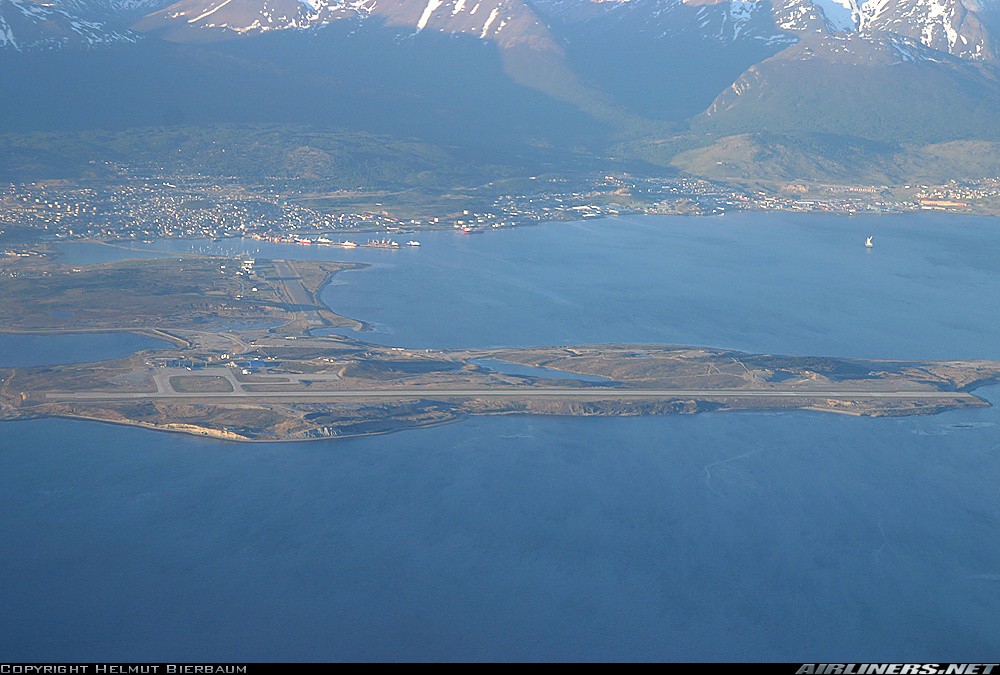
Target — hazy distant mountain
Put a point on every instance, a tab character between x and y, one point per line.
26	25
582	72
883	87
666	19
896	70
213	20
529	53
952	26
115	12
959	28
503	21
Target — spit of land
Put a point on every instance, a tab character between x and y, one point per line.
240	363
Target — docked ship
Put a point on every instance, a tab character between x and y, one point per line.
348	244
383	243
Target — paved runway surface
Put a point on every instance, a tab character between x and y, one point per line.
521	393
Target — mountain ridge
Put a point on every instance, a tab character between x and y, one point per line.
453	71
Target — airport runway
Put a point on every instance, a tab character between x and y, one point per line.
594	393
298	293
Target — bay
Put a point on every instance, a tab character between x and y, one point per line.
782	283
781	537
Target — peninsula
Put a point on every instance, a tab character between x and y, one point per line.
240	362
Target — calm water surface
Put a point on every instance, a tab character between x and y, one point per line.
785	537
761	282
46	350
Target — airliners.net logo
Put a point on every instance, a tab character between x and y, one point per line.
897	669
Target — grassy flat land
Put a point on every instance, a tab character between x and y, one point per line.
192	292
200	384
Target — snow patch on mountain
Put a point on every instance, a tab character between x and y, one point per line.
6	35
872	10
210	11
428	10
489	22
841	15
742	10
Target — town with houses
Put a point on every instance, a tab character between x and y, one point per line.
197	206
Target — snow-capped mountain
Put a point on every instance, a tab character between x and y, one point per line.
952	26
117	12
198	21
815	16
27	25
876	85
826	51
773	21
622	65
725	21
529	53
957	27
503	21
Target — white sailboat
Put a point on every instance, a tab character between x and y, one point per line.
868	242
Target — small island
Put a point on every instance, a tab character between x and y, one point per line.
240	363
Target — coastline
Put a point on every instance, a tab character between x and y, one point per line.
288	384
433	410
215	434
690	407
568	217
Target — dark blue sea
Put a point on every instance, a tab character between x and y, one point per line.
785	537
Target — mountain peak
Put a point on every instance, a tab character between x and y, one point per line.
952	26
27	25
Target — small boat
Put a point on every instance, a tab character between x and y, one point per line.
413	243
348	244
868	242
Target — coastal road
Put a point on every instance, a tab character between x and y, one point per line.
519	393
